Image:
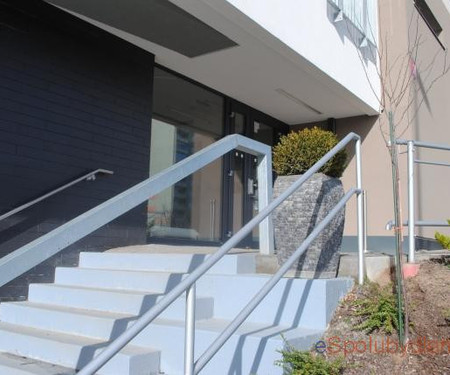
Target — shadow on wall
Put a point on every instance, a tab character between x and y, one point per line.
347	30
361	125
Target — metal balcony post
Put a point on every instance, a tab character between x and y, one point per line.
365	220
411	214
360	213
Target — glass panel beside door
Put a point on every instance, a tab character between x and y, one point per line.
186	118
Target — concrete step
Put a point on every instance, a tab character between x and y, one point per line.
291	296
139	281
89	323
257	342
66	323
174	263
253	349
15	365
119	301
74	351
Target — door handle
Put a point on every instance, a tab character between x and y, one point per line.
250	186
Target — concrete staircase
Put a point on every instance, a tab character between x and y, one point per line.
63	325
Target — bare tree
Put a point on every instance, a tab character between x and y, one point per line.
406	76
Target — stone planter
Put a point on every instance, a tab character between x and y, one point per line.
295	219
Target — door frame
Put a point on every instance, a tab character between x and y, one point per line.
250	115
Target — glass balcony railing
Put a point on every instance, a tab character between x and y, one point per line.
363	14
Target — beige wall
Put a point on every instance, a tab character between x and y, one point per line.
425	105
429	121
432	123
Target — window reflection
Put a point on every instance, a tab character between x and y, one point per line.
186	118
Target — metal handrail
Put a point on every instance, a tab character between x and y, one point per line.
269	285
188	284
418	161
419	223
39	250
411	209
88	176
435	146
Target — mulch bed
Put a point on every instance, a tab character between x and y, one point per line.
428	351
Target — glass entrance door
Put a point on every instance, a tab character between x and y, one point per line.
243	183
216	201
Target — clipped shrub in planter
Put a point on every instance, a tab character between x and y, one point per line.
298	151
295	219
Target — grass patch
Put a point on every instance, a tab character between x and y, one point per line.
298	362
443	239
377	310
446	314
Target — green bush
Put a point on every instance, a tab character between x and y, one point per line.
298	151
443	239
296	362
378	310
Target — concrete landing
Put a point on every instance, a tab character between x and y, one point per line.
378	266
266	264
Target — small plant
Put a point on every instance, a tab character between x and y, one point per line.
298	151
446	314
297	362
443	239
378	310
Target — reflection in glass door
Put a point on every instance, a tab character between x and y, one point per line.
186	119
243	173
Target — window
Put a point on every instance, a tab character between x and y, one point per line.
363	14
427	15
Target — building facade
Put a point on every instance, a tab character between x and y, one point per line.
138	86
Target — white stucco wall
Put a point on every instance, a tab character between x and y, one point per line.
307	27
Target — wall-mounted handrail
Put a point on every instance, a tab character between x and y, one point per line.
87	177
189	282
419	223
418	161
435	146
412	223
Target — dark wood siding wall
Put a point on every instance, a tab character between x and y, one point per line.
68	105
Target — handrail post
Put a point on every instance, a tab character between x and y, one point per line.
360	208
365	220
411	214
264	171
189	341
